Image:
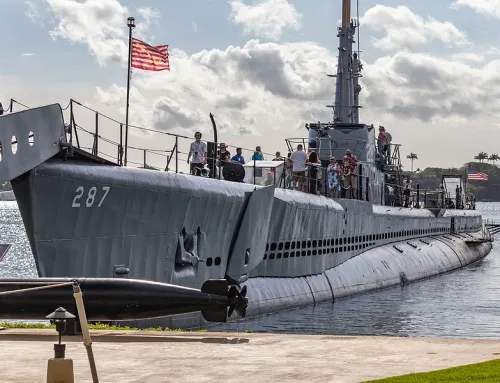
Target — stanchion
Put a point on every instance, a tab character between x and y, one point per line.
87	341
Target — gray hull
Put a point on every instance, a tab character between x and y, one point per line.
288	247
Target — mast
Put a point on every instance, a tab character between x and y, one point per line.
348	71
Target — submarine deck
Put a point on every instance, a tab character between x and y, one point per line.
140	356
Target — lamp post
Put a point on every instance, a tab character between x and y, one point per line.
131	25
59	368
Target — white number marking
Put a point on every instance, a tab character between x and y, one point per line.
106	190
91	196
77	197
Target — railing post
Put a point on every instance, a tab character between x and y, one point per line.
418	197
359	192
71	121
176	154
11	106
144	151
73	124
96	133
120	149
367	189
254	163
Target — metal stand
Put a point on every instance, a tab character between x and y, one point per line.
60	369
87	341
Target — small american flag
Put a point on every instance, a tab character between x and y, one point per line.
147	57
476	176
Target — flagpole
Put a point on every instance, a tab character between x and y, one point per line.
131	25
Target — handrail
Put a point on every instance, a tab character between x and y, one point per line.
413	198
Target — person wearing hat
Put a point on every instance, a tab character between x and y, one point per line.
349	164
382	140
224	155
333	171
197	150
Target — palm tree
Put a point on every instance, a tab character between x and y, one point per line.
481	157
493	158
412	157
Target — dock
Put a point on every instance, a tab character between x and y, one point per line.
150	357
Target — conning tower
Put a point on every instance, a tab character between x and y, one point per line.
345	131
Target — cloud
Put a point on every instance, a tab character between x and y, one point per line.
98	24
27	54
427	88
266	18
405	30
236	85
37	12
467	57
484	7
263	92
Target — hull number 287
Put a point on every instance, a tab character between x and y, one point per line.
90	197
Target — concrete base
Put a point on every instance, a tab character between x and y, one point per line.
147	357
60	371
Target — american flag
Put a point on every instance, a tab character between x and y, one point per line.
477	176
147	57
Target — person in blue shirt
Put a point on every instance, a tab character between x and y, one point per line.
238	157
257	155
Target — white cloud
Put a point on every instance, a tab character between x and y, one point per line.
262	93
467	57
99	24
27	54
404	29
266	18
485	7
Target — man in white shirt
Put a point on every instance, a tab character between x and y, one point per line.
299	159
198	150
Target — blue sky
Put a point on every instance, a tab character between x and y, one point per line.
201	33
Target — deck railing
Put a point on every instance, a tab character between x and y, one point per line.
106	139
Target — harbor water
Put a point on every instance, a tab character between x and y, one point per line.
463	303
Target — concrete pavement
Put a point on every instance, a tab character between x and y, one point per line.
151	357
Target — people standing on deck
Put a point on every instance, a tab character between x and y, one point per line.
382	140
278	157
314	167
299	159
407	192
257	155
224	156
238	157
349	164
288	171
197	150
389	140
333	170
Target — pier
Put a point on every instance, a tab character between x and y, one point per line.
141	356
492	225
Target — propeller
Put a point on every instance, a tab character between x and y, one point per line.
241	301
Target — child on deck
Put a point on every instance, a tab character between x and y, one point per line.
333	172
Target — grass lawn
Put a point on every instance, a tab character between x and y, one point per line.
470	373
97	326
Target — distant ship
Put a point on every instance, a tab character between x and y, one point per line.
87	216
